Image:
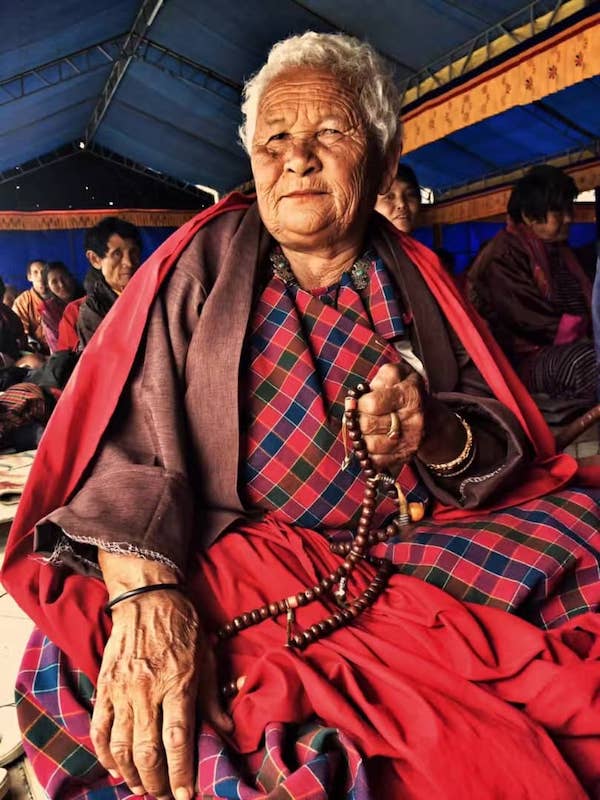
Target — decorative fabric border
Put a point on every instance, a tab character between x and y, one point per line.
493	203
65	220
568	58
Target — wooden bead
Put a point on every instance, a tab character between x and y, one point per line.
309	595
281	606
354	435
337	618
368	503
364	521
297	641
256	616
246	619
362	388
301	598
391	530
369	472
371	492
273	609
362	530
238	624
362	454
326	583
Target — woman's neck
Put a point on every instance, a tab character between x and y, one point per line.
316	270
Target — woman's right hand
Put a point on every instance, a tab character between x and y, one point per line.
157	673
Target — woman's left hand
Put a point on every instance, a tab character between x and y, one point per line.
400	420
394	391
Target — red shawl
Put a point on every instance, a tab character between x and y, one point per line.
91	396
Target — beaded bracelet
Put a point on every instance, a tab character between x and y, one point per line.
450	466
153	587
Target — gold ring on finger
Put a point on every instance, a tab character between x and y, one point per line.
394	429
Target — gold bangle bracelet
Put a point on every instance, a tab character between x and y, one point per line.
450	466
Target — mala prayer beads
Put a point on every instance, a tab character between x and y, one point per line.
335	584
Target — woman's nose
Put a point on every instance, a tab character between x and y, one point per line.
300	156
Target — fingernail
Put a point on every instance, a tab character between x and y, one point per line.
113	773
138	790
182	794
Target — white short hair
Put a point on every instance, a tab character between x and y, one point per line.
356	63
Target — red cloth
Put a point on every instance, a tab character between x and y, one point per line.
421	679
67	327
62	607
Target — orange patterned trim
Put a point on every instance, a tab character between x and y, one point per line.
493	203
65	220
568	58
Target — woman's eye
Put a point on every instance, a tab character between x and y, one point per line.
277	137
329	134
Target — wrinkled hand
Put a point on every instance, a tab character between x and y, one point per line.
157	668
393	389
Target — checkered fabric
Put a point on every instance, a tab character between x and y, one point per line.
540	559
54	703
304	356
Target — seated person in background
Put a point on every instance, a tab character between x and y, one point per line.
201	482
402	203
113	247
28	305
64	289
534	294
10	292
12	334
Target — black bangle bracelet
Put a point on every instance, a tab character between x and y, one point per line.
153	587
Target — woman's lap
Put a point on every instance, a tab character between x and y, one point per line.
418	675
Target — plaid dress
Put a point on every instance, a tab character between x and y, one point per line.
539	560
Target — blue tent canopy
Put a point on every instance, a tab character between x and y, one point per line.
175	108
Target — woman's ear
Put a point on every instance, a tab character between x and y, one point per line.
390	163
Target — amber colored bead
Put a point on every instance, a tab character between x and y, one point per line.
362	530
391	530
347	565
371	492
369	473
354	435
360	540
416	511
368	502
353	556
364	522
362	453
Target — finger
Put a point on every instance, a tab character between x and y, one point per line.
148	752
379	403
208	698
389	374
100	730
121	747
178	739
374	425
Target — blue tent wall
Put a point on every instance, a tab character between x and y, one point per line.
464	239
19	247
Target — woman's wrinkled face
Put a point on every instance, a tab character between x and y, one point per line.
555	228
315	166
400	205
61	284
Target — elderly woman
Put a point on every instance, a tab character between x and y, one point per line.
293	451
529	286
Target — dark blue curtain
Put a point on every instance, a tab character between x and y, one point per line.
17	248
